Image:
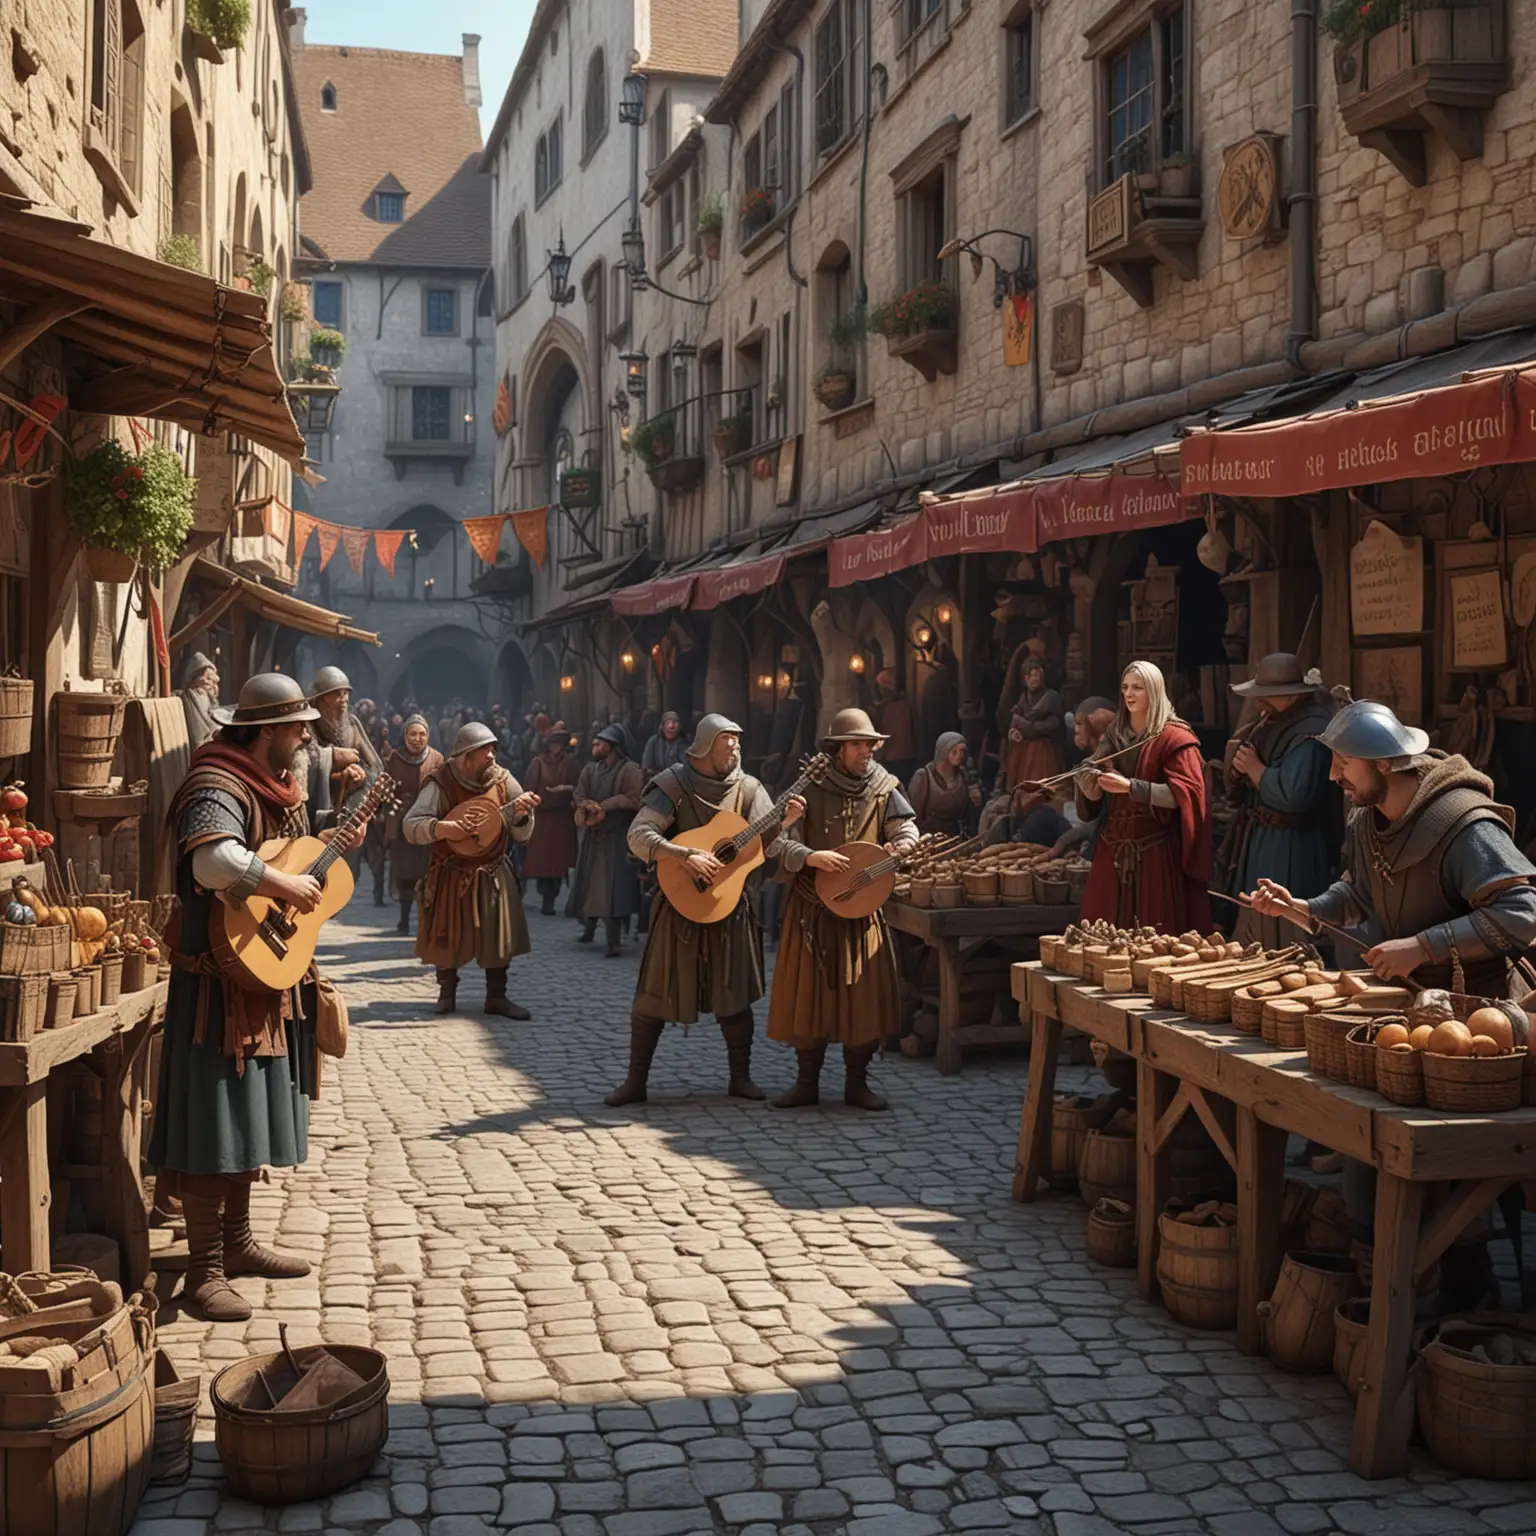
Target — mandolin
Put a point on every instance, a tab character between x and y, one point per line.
864	886
265	945
737	843
482	815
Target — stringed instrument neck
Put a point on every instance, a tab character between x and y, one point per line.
755	829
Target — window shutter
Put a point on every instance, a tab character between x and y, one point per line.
112	75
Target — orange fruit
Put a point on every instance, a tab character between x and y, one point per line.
1451	1038
1494	1024
1392	1034
1419	1038
1485	1045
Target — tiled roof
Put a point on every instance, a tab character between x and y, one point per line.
691	37
400	117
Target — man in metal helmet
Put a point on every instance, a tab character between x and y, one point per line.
606	799
471	902
689	969
336	786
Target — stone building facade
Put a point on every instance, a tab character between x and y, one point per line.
395	247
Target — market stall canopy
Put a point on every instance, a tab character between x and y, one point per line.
154	340
266	603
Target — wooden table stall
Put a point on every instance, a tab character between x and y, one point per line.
117	1037
954	933
1182	1066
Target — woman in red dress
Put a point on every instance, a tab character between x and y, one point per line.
1153	860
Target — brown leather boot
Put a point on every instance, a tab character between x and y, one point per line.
447	992
208	1291
737	1029
856	1089
496	1000
807	1085
243	1255
644	1037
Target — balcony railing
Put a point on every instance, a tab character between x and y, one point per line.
671	444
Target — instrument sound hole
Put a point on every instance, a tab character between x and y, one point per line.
726	853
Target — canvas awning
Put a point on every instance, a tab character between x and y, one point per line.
265	603
149	339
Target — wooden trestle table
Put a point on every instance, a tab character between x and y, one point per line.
1185	1066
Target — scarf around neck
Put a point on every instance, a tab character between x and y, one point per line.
278	793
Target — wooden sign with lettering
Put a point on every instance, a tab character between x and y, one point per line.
1478	635
1386	583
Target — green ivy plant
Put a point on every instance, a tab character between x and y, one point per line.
134	504
655	439
327	338
225	21
181	251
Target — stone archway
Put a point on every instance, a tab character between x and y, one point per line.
512	684
443	664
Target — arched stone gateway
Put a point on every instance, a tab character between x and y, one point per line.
512	683
446	663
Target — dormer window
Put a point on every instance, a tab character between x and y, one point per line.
389	201
327	97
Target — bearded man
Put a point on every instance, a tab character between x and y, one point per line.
835	980
693	968
471	903
354	763
409	765
199	699
607	797
237	1066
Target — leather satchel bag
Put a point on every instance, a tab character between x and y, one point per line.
330	1019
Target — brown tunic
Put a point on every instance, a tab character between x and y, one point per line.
940	807
1037	717
408	861
552	848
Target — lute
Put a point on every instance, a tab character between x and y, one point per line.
867	883
265	945
737	843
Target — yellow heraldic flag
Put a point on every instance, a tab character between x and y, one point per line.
1018	329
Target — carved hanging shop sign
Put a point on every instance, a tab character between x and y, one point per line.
1248	193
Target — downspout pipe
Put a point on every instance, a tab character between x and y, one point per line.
1302	198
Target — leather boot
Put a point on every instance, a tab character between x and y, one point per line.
496	1000
644	1037
807	1084
208	1290
404	927
611	934
856	1089
243	1255
737	1030
588	930
447	992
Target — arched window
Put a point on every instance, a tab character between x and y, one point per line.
327	97
594	117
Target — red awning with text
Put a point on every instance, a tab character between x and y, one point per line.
655	596
1082	506
742	580
1484	419
999	521
864	556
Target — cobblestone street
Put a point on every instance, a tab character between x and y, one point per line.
704	1316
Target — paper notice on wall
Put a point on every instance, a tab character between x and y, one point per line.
1478	637
1386	583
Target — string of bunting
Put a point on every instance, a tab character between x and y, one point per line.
484	534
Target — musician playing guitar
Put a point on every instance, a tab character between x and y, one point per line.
237	1067
693	968
835	980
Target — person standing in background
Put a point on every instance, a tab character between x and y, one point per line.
607	796
551	851
409	765
944	794
1034	731
666	749
199	698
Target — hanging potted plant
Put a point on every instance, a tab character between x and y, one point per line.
733	434
838	381
128	509
654	440
711	224
259	278
919	326
181	251
327	347
215	26
295	305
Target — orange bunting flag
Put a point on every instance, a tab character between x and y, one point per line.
485	535
303	526
501	413
386	546
329	536
355	542
532	530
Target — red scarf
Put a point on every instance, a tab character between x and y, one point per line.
279	794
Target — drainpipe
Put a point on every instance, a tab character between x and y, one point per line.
1302	198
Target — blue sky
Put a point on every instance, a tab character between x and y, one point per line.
436	26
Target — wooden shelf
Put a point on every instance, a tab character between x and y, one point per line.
32	1061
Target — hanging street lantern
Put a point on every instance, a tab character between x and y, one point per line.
632	245
634	371
560	290
632	99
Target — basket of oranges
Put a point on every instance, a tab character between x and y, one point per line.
1460	1053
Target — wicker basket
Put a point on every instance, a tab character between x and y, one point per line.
1350	1322
1284	1024
921	893
23	1006
1050	948
1052	892
175	1419
1477	1085
29	949
1017	886
1069	957
1400	1076
16	709
1528	1079
1324	1035
1077	882
1360	1055
89	727
111	978
1478	1419
1247	1010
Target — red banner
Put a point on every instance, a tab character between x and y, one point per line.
485	535
654	596
1082	506
355	542
532	530
982	524
303	526
732	581
328	536
864	556
1486	420
386	546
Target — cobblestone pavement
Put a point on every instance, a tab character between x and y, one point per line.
704	1316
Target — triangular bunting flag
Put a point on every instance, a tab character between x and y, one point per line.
329	536
386	546
303	526
485	535
277	518
355	542
501	413
532	530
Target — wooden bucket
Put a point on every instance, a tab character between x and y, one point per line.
1350	1322
175	1419
289	1458
1052	892
1528	1079
1478	1418
111	979
89	727
1197	1269
980	887
1107	1168
1072	1117
133	971
1195	1166
85	1142
61	999
1328	1228
948	895
16	709
1298	1317
1112	1234
920	894
1017	886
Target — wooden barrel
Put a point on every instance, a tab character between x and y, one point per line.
1298	1317
288	1458
1197	1269
89	727
1072	1117
1107	1168
1350	1322
1112	1234
16	694
1478	1416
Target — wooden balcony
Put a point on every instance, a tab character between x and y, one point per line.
1131	232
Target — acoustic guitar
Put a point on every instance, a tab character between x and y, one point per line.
267	946
862	888
737	843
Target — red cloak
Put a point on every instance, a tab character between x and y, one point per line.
1153	865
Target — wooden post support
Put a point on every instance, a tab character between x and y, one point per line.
1260	1179
1034	1151
24	1193
1384	1413
1154	1094
948	1055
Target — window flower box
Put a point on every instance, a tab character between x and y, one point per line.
919	327
732	435
756	211
836	389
